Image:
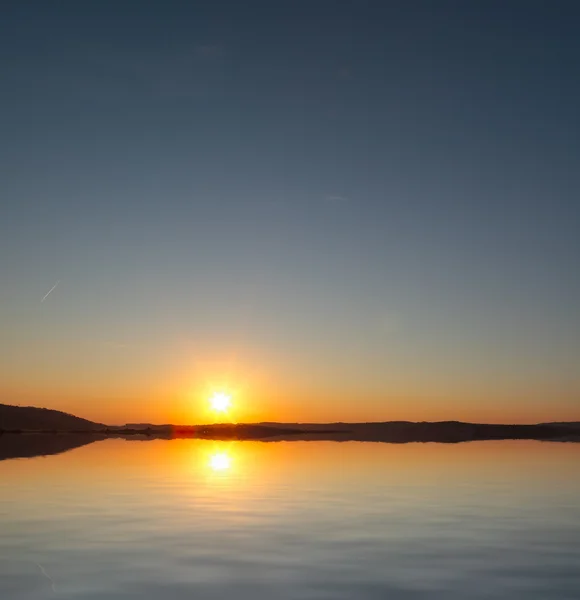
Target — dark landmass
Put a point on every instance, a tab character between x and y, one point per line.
29	418
248	432
15	419
42	444
397	432
144	426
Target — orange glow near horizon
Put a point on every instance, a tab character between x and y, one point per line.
250	385
191	401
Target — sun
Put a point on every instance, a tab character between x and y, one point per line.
220	402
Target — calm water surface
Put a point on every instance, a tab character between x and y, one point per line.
249	520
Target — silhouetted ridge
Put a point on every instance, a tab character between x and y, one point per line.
441	431
22	419
241	431
29	418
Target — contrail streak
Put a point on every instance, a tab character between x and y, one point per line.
50	291
43	571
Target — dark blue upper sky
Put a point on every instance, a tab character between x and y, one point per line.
373	199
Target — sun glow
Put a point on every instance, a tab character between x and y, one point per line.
220	402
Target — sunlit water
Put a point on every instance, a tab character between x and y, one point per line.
250	520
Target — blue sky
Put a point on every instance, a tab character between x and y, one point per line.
373	205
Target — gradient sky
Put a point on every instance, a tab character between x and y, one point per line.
338	210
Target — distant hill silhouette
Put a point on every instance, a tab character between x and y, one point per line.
390	431
29	418
407	431
242	431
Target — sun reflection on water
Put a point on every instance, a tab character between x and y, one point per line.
220	461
